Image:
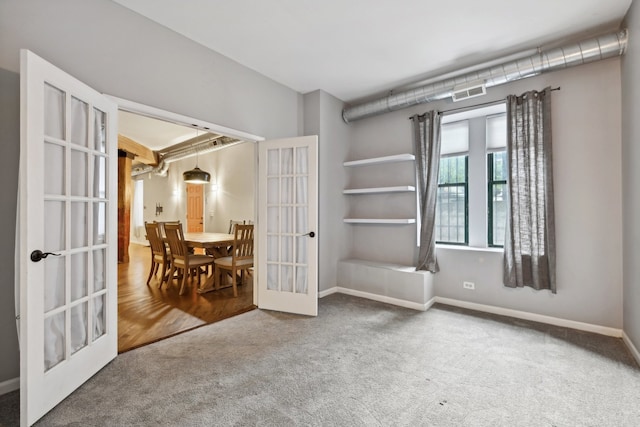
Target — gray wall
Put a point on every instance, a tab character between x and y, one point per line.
121	53
10	143
587	162
323	117
631	177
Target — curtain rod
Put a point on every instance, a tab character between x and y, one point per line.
484	104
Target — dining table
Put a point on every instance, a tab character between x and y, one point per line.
215	244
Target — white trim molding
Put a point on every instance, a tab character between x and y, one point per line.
380	298
157	113
9	385
602	330
632	348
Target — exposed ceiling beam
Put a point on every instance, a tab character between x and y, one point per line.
142	154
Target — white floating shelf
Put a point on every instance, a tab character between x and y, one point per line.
379	221
398	189
378	160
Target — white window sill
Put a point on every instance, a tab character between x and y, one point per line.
469	248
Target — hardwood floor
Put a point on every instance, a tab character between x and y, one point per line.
147	314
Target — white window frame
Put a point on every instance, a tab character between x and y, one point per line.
477	174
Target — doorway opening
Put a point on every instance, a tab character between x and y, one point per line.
148	313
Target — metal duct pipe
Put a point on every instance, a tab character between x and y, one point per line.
583	52
205	147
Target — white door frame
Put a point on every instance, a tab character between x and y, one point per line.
181	120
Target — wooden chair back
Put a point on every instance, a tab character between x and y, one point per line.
232	225
243	242
175	238
161	225
155	239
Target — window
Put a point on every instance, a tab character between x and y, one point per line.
471	206
496	179
452	205
497	212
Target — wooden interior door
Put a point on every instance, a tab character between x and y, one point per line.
195	207
67	204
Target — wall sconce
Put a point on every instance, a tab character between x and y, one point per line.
213	187
158	209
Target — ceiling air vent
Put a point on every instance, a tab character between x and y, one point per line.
470	91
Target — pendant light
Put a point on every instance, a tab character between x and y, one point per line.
196	175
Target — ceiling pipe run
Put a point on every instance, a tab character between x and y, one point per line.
591	50
169	157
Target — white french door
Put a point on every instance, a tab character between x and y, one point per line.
288	213
68	202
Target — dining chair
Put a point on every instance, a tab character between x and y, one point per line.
241	258
158	252
181	258
232	225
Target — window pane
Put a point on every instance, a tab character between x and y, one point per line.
453	170
499	166
451	214
451	203
499	209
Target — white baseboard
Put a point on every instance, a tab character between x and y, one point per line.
379	298
632	348
328	292
9	385
603	330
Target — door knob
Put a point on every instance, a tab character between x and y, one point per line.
310	234
37	255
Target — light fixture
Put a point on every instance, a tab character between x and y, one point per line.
196	175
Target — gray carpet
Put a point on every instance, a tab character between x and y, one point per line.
362	363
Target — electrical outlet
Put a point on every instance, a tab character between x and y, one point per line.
469	285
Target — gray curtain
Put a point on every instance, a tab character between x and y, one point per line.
426	141
529	251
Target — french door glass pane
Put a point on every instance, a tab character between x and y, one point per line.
99	318
79	324
301	250
273	165
99	131
54	223
100	177
302	163
54	282
286	218
301	219
286	161
272	220
273	190
301	190
99	223
301	279
287	248
79	232
53	169
99	278
79	128
272	276
272	248
78	276
286	278
287	190
54	340
54	120
79	168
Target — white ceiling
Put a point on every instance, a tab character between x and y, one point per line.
357	48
